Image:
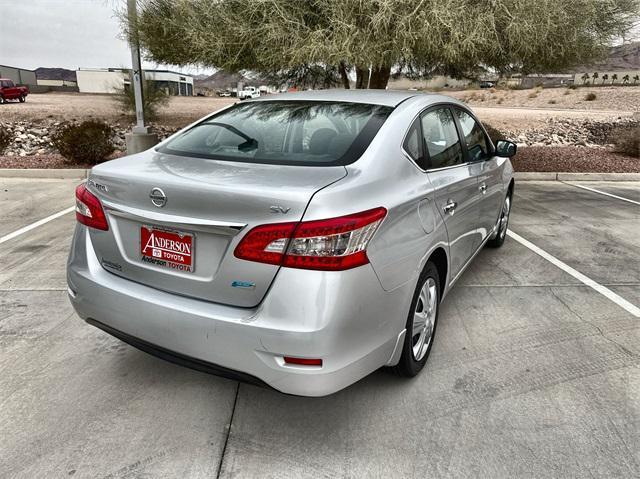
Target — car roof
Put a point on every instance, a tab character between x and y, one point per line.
375	97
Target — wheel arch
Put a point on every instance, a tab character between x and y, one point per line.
440	259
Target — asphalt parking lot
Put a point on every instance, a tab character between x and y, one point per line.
533	373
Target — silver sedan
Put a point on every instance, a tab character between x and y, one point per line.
300	241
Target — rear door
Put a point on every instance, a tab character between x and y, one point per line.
488	167
455	182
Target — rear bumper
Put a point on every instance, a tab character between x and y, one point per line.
345	318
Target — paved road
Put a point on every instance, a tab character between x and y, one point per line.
533	373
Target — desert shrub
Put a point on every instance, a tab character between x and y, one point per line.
573	87
494	133
88	142
566	92
154	98
532	95
5	139
626	141
552	102
590	96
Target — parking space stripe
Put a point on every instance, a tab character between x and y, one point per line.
36	224
603	193
619	300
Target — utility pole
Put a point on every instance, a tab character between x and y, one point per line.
141	138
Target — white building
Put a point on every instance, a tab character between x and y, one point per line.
111	80
45	82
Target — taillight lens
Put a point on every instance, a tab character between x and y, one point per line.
332	245
89	211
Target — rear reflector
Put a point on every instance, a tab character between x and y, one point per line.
303	361
333	244
89	211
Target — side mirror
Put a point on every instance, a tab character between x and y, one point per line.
506	148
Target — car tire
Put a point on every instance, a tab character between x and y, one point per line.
2	100
418	340
502	225
22	99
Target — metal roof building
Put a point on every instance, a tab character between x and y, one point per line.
20	76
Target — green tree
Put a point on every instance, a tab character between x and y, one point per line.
585	77
595	77
455	37
636	79
614	78
625	79
605	77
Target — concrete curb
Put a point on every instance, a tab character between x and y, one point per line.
50	173
79	173
543	176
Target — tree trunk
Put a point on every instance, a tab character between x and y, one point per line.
380	77
343	75
362	77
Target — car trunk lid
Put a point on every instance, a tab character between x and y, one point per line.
185	246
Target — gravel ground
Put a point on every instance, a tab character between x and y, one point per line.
179	112
608	98
571	159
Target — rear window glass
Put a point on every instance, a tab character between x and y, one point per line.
284	132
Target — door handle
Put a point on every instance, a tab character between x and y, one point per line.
450	207
483	188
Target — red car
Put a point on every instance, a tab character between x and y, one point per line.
9	91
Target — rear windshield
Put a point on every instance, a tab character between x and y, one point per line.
284	132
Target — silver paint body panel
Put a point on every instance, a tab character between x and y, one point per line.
351	319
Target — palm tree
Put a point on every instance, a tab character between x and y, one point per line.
636	79
605	77
625	79
614	77
594	76
585	77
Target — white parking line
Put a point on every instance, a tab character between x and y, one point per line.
603	193
620	301
36	224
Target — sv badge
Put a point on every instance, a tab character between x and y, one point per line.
279	209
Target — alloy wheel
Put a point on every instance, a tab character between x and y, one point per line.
424	318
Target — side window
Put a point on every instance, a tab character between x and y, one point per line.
441	139
477	144
412	144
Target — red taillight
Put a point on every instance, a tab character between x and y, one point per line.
302	361
89	211
332	245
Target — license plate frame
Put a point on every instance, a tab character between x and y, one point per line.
167	248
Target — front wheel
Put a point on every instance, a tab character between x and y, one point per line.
421	323
2	100
22	99
502	225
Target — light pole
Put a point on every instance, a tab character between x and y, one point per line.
141	138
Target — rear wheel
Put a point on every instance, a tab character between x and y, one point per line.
421	323
503	224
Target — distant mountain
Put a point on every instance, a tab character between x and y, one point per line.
621	57
43	73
